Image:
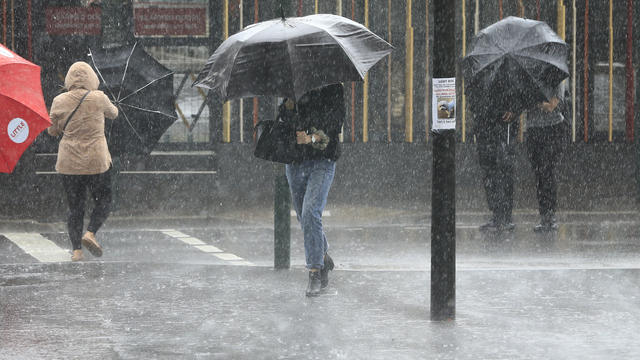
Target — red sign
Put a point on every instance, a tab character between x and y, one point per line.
74	21
170	21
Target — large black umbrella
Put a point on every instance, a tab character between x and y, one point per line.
288	57
514	64
142	88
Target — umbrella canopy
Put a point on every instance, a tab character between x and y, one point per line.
23	114
514	64
142	88
288	57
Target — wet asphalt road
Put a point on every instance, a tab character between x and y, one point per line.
207	290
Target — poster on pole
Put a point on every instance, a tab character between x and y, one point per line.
444	104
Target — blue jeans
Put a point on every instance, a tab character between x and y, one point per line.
309	183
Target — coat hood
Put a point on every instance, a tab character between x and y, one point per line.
81	75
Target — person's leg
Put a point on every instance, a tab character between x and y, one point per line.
297	180
554	143
487	161
315	199
100	189
75	190
504	185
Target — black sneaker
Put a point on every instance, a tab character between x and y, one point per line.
491	226
324	273
507	226
545	227
314	286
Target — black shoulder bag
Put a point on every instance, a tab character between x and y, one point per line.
73	112
277	140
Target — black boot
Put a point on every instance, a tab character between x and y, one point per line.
492	226
324	273
547	223
314	286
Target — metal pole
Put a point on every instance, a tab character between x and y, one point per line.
365	87
610	70
443	199
281	220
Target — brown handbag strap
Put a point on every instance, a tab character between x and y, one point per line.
74	111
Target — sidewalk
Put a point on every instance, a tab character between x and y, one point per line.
571	295
341	216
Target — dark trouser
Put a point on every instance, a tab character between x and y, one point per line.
496	153
544	146
75	186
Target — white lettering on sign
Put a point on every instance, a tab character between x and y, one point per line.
5	52
18	130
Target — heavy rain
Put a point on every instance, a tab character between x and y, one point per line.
319	179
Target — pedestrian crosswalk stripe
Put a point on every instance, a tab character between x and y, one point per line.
41	248
209	248
204	247
191	241
175	234
227	256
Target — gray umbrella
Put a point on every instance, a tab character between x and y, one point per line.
288	57
514	64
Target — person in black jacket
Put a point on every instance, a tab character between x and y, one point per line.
496	133
318	123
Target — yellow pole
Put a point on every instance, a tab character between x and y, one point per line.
408	98
316	8
365	88
610	70
226	108
464	53
561	20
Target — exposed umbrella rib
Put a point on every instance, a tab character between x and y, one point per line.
101	77
130	124
142	88
126	67
147	110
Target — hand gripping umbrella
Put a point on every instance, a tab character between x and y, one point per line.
288	57
142	88
514	64
23	114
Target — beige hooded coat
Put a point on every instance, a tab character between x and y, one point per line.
83	148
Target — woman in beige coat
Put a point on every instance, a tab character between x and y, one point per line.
83	156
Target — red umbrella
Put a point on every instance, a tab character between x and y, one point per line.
23	114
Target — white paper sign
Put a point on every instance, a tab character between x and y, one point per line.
443	104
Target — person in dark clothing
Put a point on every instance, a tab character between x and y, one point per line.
546	135
496	133
318	116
